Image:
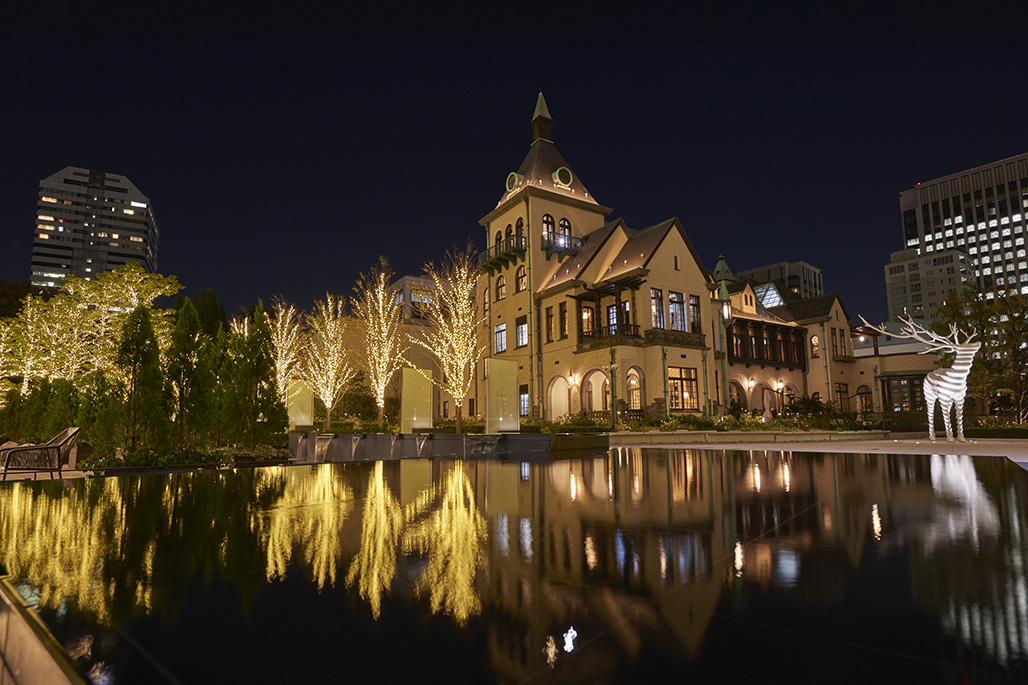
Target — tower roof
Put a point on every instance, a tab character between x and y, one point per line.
544	168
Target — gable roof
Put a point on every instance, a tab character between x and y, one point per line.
642	246
574	267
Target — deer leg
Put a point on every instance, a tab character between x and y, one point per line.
930	401
960	419
947	406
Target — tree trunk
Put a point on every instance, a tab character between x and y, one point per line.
457	417
381	415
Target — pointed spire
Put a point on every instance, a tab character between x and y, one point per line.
541	121
721	271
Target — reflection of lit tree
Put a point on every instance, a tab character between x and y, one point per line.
308	514
63	545
453	536
375	563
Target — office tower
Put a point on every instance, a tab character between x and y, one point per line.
918	283
980	212
798	277
88	222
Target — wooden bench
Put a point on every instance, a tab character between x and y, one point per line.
53	455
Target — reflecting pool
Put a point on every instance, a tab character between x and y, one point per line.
633	566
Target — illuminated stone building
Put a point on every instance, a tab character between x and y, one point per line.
981	212
88	222
579	301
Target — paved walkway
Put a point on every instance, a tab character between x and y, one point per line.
1014	450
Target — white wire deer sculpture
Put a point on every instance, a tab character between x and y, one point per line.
947	386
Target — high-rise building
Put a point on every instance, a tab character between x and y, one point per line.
88	222
918	283
980	212
798	277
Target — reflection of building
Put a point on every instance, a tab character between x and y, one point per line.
88	222
980	212
591	309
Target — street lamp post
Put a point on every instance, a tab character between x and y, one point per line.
722	276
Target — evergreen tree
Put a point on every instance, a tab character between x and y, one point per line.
191	377
253	409
146	406
61	408
101	414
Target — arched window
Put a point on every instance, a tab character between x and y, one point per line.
521	281
815	346
499	239
501	289
519	228
548	226
564	239
508	233
606	395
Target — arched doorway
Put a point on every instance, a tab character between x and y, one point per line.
634	389
736	394
594	391
559	398
865	402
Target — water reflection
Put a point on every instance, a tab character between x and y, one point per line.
452	535
643	552
374	565
307	511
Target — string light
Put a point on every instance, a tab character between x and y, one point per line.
385	347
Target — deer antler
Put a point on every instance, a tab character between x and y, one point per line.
916	331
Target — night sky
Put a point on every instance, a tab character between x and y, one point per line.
287	164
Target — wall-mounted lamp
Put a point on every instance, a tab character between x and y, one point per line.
781	385
751	383
571	378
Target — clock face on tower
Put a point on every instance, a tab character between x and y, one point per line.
513	180
562	177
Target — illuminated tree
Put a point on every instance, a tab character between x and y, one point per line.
325	366
453	320
253	410
381	316
286	342
77	330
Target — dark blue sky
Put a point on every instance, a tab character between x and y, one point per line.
286	165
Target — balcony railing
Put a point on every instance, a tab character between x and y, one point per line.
561	244
604	336
502	254
661	336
